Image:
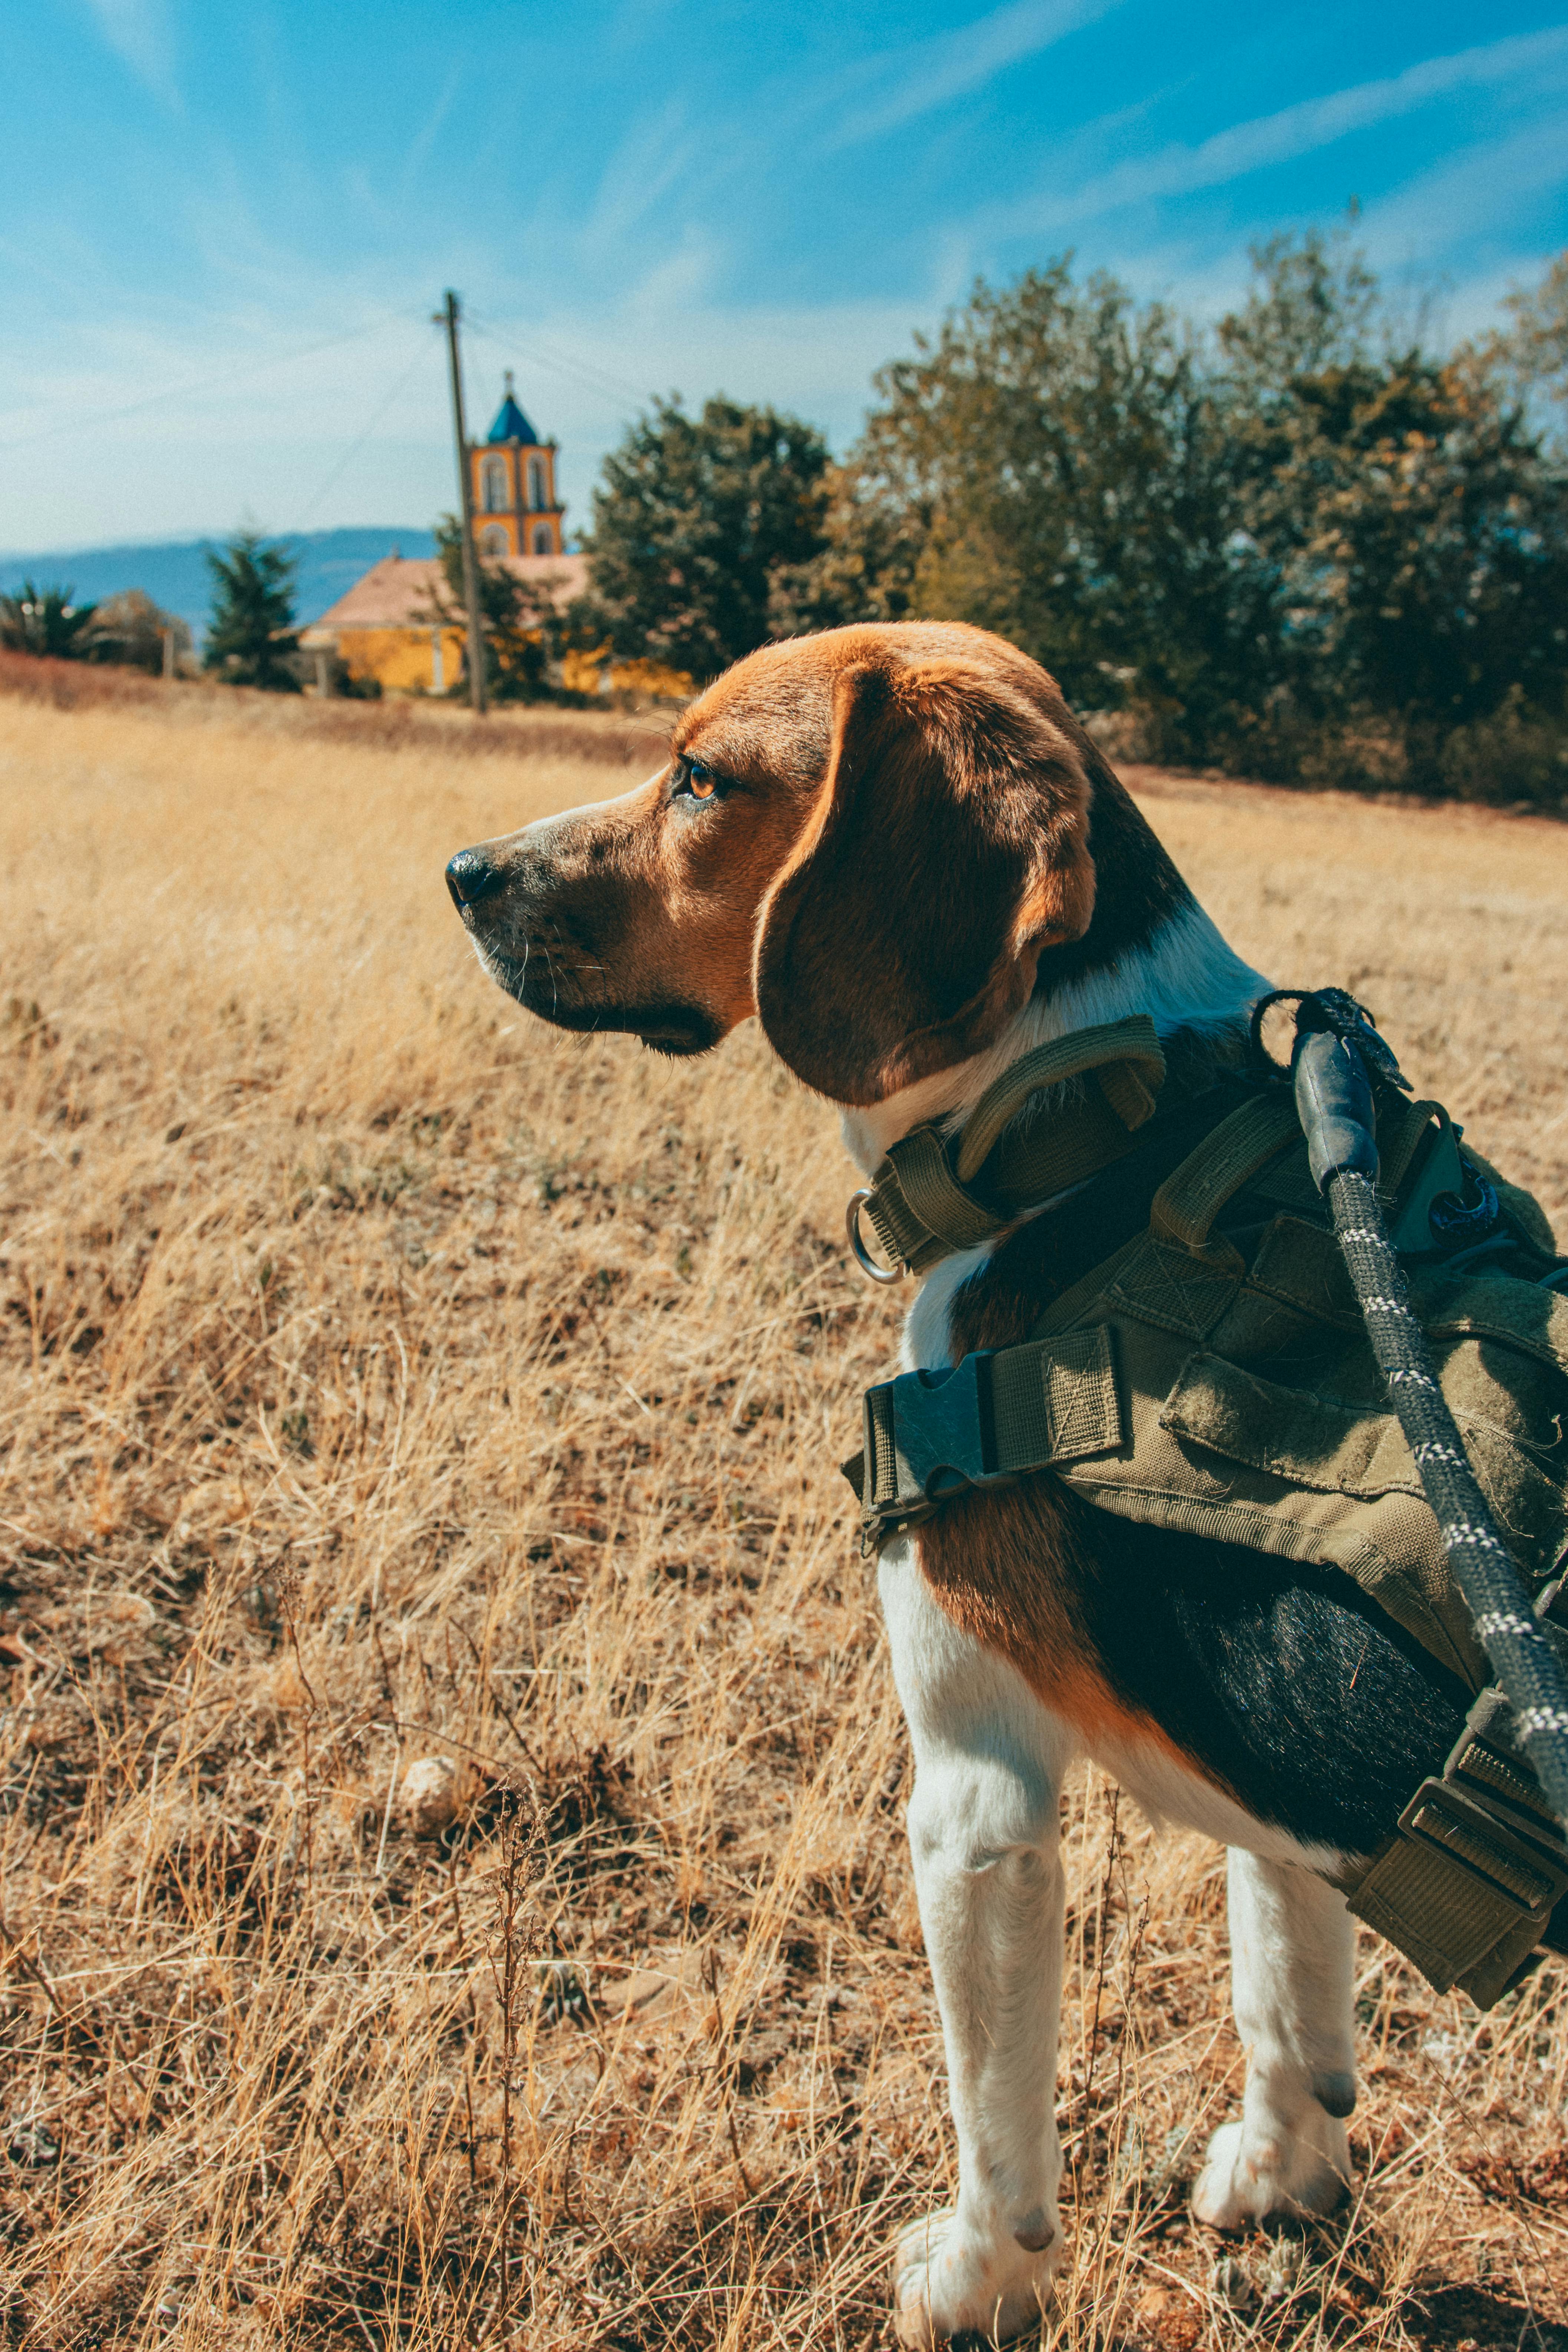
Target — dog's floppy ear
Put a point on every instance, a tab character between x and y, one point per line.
947	847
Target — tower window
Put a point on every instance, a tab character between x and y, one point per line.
495	539
535	483
496	499
544	540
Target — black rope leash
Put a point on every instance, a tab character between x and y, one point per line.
1336	1046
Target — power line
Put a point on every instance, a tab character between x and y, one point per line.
588	372
355	446
184	391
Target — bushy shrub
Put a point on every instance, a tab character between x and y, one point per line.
1515	755
129	630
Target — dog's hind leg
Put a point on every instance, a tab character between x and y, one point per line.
983	1834
1292	1945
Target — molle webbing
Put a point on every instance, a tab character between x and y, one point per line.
1052	1402
923	1202
1240	1149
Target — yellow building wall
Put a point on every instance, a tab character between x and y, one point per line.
519	524
485	524
401	659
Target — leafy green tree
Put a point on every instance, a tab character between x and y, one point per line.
45	621
1056	467
697	521
1420	539
251	634
1256	538
1314	304
866	569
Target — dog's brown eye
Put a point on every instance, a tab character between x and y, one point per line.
699	780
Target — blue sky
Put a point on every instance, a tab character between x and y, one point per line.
222	230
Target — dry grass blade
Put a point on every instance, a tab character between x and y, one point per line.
454	1888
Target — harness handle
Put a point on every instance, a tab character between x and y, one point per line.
1133	1044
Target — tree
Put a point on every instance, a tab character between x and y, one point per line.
866	568
1421	540
521	623
1056	467
1532	351
128	630
251	634
1421	536
1286	531
697	522
1314	304
45	621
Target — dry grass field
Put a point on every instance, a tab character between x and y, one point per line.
454	1880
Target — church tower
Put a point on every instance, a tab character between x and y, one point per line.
512	481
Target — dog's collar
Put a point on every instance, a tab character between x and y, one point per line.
940	1191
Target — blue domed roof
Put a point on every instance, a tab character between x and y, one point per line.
510	424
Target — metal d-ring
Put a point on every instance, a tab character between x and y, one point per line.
863	1258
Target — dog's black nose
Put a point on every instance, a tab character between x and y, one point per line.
470	877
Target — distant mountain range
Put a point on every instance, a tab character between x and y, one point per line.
174	573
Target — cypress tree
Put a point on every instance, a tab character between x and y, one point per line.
251	634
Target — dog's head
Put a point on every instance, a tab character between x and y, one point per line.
868	838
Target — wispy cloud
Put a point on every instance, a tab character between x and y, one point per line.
425	138
682	235
649	160
142	34
1473	195
1282	138
930	74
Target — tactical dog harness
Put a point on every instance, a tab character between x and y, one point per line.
1206	1366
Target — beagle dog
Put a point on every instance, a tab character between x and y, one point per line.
896	847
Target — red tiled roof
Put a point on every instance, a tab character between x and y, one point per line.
397	592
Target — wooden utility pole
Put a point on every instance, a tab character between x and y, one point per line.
449	318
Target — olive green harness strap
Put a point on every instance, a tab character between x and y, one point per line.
1468	1884
1187	1202
985	1421
1184	1209
921	1201
931	1434
1005	1411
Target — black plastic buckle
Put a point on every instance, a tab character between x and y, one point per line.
1541	1870
943	1437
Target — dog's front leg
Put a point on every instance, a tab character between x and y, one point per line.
984	1834
1293	1948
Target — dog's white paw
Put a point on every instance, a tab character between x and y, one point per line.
1250	2173
948	2282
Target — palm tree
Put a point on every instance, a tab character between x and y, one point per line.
45	621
